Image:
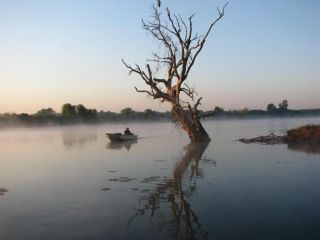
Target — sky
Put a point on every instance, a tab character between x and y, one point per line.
70	51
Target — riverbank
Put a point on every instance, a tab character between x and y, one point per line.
304	134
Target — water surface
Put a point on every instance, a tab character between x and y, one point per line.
72	183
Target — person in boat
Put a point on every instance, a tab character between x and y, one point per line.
127	132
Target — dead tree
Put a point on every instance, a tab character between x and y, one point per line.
180	48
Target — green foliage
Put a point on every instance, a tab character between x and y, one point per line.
271	107
85	113
81	110
24	117
218	110
80	114
68	110
244	111
127	111
46	112
78	111
283	105
149	113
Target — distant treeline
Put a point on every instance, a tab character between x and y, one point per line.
76	114
271	111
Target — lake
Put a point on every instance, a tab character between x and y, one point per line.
72	183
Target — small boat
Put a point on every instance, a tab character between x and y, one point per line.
121	137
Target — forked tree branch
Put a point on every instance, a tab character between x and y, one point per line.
181	48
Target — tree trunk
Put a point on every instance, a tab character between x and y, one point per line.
181	47
190	122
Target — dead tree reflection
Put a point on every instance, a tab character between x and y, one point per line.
171	195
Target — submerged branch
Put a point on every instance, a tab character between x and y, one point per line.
269	139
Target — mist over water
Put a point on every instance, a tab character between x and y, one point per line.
73	183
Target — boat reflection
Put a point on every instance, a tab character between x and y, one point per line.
168	203
309	148
118	145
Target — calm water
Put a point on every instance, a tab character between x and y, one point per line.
72	183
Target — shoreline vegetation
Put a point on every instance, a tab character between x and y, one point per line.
79	114
307	134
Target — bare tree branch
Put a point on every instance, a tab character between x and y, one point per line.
181	47
221	14
190	92
195	107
